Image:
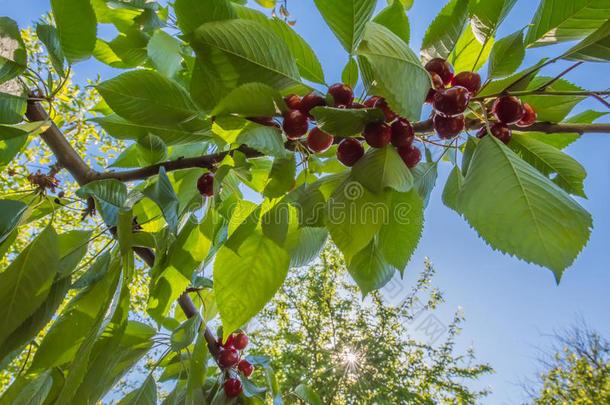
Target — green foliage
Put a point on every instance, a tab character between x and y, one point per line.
443	33
14	61
76	28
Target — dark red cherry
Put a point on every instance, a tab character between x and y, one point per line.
311	101
410	154
377	134
387	111
357	106
451	101
228	358
245	367
499	130
266	121
318	140
370	102
508	109
293	101
350	150
529	117
228	344
343	95
402	132
205	185
233	387
240	341
442	68
448	127
295	124
437	84
470	80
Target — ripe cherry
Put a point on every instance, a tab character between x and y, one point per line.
266	121
349	151
402	132
318	140
448	127
499	130
295	124
529	117
470	80
228	344
228	358
343	95
311	101
240	341
233	387
437	84
293	101
410	154
370	102
357	105
442	68
205	184
245	367
451	101
377	134
387	111
508	109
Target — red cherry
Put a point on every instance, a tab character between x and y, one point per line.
448	127
499	130
311	101
357	105
402	132
233	387
387	111
377	135
240	341
293	101
245	367
228	358
529	117
451	101
469	80
349	151
410	154
370	102
205	184
442	68
266	121
295	124
343	95
229	343
437	84
318	140
508	110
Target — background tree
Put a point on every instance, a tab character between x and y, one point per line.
322	336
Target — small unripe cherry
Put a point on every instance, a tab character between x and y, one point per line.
451	101
293	101
499	130
233	387
377	134
402	132
508	110
245	367
205	184
469	80
437	84
240	341
442	68
310	101
342	94
295	124
448	127
410	154
350	150
228	358
319	141
529	117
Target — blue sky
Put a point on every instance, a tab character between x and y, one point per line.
511	306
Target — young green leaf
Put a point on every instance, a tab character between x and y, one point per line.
443	33
469	53
506	56
77	28
394	18
349	75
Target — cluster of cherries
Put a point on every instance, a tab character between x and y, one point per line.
450	103
229	357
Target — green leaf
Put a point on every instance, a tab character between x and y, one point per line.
267	140
307	394
407	4
266	3
25	283
594	48
347	19
12	108
109	195
527	215
184	334
251	100
244	281
146	97
193	13
49	36
444	32
369	269
145	395
469	53
400	234
11	147
487	15
151	150
516	82
164	52
394	18
345	121
383	57
310	244
452	188
382	168
424	175
350	73
11	212
280	224
77	28
162	193
558	21
281	178
72	247
562	140
198	370
552	108
36	391
506	56
569	174
13	59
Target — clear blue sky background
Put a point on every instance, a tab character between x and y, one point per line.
511	306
